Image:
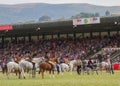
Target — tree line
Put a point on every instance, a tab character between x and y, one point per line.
79	15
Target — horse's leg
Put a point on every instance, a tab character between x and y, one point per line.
30	73
23	73
5	69
53	73
83	70
88	70
50	73
112	69
39	74
58	69
42	72
101	71
16	72
100	68
96	71
34	71
19	73
78	70
92	70
8	73
71	68
107	69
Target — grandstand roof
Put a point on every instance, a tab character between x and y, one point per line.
66	26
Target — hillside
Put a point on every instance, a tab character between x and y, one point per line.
32	12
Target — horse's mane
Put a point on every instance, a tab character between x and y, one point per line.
54	59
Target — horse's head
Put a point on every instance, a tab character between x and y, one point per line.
38	60
43	59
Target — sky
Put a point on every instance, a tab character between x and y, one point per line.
95	2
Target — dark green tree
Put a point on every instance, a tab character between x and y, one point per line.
96	14
45	18
107	13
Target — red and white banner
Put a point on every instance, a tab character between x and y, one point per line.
116	66
82	21
6	27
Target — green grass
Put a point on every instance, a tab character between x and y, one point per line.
64	80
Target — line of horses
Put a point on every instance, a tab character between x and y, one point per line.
43	66
29	67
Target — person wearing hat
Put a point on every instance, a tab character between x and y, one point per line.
47	58
16	58
10	57
79	65
90	64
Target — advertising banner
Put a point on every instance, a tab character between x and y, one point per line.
82	21
6	27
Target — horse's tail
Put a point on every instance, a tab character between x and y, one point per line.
39	72
39	69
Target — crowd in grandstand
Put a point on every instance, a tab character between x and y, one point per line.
70	47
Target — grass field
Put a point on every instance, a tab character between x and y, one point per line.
64	80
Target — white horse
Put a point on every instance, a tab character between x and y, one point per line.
63	67
107	66
30	67
13	67
72	65
38	60
26	66
85	69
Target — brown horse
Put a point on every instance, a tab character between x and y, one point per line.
47	66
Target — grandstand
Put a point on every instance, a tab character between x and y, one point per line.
64	37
